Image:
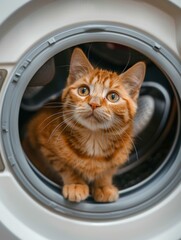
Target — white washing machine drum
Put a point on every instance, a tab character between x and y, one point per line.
36	46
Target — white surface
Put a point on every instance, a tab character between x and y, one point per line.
21	214
28	220
8	7
35	21
176	2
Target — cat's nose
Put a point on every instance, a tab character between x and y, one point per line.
94	105
95	102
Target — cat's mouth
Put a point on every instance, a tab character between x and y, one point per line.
93	117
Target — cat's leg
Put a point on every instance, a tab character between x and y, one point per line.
75	188
103	190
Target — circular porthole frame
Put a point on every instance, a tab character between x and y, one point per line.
132	200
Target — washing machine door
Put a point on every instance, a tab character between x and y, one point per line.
34	38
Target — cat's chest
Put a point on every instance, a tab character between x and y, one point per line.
96	145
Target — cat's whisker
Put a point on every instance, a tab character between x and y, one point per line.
117	120
115	133
52	115
58	114
56	118
44	127
134	146
66	125
118	137
54	130
72	128
129	59
89	49
59	125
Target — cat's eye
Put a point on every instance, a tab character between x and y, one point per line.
113	97
83	91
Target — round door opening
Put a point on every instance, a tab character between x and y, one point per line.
152	170
155	115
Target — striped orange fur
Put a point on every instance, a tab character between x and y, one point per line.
85	137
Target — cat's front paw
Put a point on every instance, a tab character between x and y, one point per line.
75	192
105	194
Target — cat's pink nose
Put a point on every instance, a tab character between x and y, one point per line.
94	105
95	102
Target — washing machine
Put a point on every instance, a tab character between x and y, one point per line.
36	42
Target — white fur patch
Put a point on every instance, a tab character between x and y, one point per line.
95	145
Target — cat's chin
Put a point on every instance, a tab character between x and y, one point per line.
93	123
93	118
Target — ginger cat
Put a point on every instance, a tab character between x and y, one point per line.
85	137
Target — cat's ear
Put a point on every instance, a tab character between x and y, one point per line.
79	66
133	78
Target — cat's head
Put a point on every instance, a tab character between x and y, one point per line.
100	99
